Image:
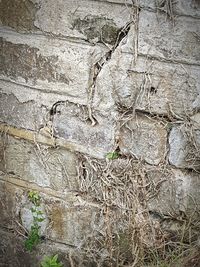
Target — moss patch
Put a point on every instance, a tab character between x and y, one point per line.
97	29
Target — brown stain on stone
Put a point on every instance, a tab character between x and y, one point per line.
56	219
18	14
21	60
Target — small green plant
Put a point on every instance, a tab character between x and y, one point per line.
51	262
34	237
34	197
112	155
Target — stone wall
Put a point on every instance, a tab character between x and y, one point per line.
81	79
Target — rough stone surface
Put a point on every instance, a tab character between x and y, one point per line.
69	221
71	225
50	66
72	124
15	113
183	7
145	139
159	38
149	85
88	20
166	89
184	144
47	167
17	14
178	192
80	79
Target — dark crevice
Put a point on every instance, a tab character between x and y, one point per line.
123	32
53	109
163	117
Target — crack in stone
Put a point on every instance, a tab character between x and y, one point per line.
97	67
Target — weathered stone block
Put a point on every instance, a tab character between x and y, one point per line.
158	37
54	66
45	166
73	124
183	7
69	221
71	225
188	7
16	113
17	14
92	21
178	191
184	144
157	87
165	88
88	20
145	139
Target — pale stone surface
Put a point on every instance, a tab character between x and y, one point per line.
114	84
146	84
47	75
16	113
184	144
26	217
188	7
180	7
178	192
87	20
159	38
71	225
145	139
49	65
47	167
73	124
166	88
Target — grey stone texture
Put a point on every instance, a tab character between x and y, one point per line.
145	139
184	144
160	38
47	167
79	80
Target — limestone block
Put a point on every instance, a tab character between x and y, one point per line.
69	221
73	124
183	7
47	167
146	84
93	21
178	191
145	139
188	7
71	225
166	88
15	113
48	65
184	144
158	37
17	14
114	84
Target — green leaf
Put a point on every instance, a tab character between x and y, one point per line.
51	262
40	219
112	155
